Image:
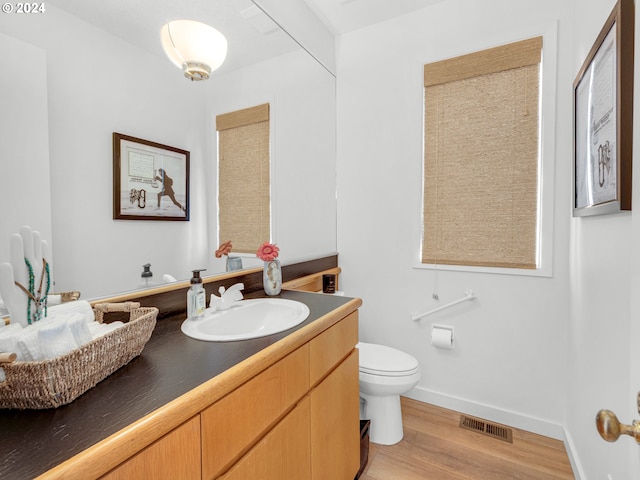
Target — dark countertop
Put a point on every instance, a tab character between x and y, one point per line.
171	364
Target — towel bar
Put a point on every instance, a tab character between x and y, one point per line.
468	296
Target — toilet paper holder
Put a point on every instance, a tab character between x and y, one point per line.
442	336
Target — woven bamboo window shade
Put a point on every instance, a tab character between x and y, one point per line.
481	158
244	204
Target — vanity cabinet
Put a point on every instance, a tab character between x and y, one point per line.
232	424
301	415
290	411
335	401
317	440
335	422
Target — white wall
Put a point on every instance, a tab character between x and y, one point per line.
510	362
539	353
304	26
26	202
604	364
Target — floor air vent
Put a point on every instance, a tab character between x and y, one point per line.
482	426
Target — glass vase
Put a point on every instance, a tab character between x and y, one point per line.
272	277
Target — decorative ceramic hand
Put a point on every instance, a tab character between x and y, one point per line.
27	272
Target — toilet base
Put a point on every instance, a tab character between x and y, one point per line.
386	418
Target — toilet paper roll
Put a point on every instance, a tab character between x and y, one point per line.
442	337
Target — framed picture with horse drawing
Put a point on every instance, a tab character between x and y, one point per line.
150	180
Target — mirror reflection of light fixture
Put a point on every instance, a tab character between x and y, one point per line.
196	48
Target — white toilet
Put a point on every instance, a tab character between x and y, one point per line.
385	374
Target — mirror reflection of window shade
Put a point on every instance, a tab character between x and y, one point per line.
481	158
244	205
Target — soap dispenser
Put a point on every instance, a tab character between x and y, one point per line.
146	276
196	299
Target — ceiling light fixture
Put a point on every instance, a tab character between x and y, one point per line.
196	48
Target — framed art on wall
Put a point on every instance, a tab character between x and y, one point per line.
603	119
150	180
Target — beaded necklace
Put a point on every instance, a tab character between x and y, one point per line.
38	299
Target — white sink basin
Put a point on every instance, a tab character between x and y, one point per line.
247	319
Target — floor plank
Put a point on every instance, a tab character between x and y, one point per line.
435	447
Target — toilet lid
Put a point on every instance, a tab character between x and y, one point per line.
383	360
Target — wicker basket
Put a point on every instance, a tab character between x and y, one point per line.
56	382
68	296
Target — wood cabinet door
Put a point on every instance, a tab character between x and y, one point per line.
283	453
332	346
176	455
335	423
234	423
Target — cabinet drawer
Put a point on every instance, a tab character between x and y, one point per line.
331	346
234	423
176	455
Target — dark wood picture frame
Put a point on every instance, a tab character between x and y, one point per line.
603	119
150	180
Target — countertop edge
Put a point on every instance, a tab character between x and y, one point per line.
107	454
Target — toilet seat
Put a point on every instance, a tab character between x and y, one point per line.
386	361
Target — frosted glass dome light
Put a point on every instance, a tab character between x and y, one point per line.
198	49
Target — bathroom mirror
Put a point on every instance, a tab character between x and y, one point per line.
90	76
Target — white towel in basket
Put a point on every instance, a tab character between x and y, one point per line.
100	329
55	339
67	308
79	329
8	339
28	345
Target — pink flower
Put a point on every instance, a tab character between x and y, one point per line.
267	252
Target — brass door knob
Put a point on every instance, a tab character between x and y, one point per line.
610	428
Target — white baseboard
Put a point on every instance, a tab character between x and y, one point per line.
504	417
578	471
487	412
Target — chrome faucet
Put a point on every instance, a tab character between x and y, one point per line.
227	296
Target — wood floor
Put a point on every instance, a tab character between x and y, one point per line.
435	447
